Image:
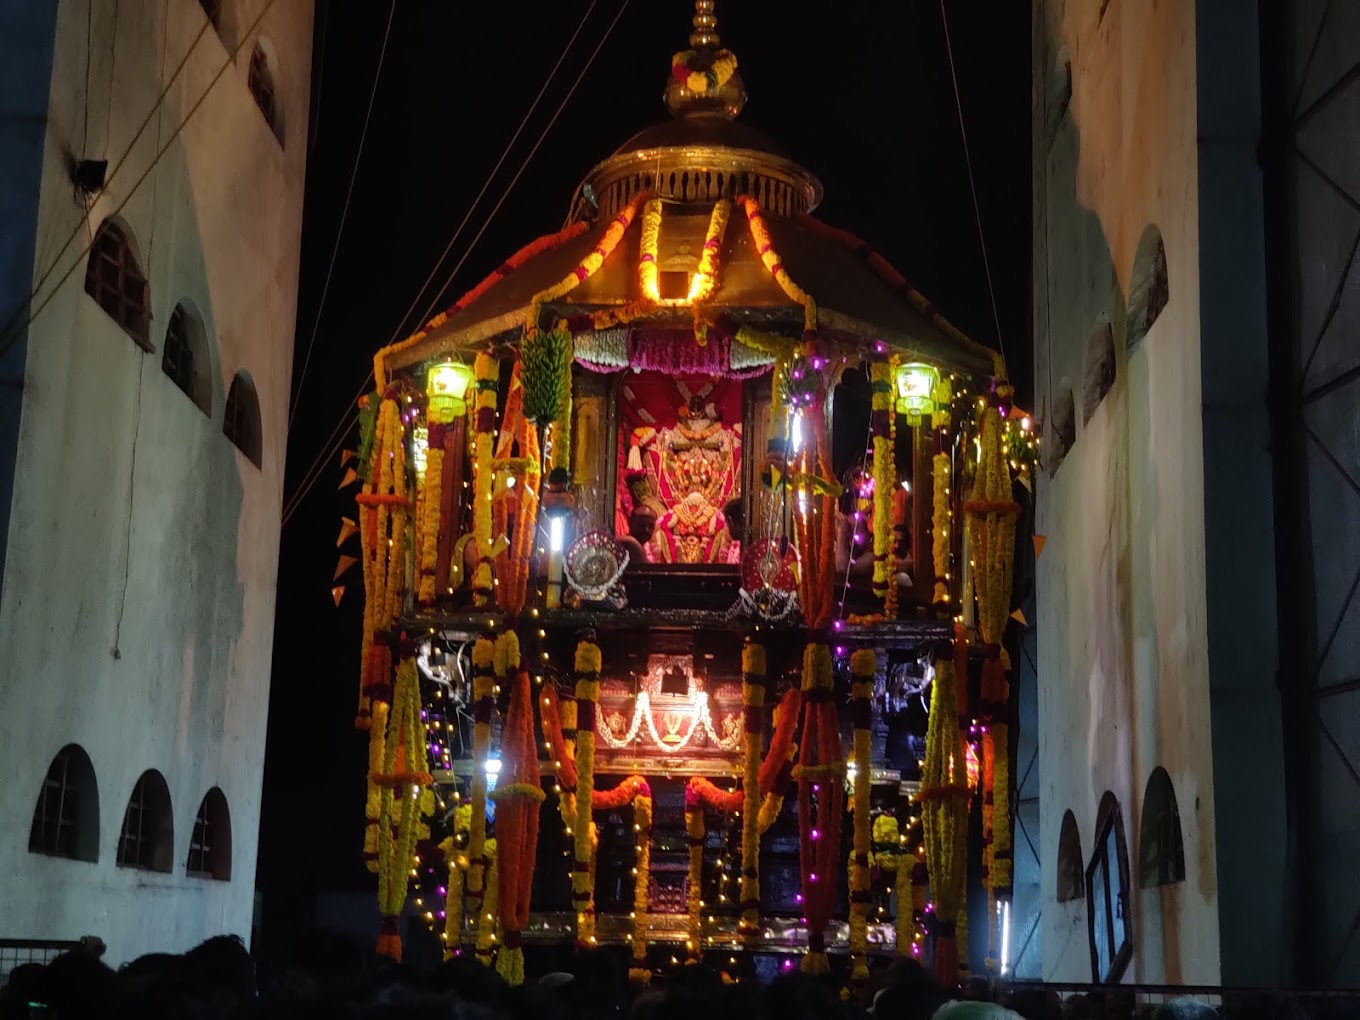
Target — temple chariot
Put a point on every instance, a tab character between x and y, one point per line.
688	540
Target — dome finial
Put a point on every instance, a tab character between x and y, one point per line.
705	35
704	81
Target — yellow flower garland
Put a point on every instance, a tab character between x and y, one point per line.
490	909
483	707
719	73
648	269
588	662
863	664
642	827
944	813
429	517
753	701
487	371
760	236
885	475
453	900
694	829
396	842
939	519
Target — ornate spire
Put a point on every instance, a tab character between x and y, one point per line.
704	80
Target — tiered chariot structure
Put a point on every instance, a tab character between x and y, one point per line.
672	527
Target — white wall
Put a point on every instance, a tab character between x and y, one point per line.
1124	681
137	609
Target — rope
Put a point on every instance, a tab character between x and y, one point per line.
401	326
13	332
525	165
344	213
972	184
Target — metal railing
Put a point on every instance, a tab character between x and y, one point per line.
17	952
1041	1001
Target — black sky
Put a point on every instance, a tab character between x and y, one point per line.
860	92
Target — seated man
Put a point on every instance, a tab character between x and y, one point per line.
641	529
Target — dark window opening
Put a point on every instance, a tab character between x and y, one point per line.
1161	849
262	87
66	817
1071	884
1100	370
1149	288
241	423
210	841
148	834
1107	897
184	358
116	281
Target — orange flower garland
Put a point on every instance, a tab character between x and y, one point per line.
815	516
820	775
518	491
518	797
587	267
760	236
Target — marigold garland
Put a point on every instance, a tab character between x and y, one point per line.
483	709
486	919
753	704
383	508
649	279
400	784
430	519
694	830
587	267
939	523
642	828
588	662
518	798
719	73
453	898
863	664
819	823
487	371
884	473
512	561
944	814
760	236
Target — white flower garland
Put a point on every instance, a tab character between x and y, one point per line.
642	715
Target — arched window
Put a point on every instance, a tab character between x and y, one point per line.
184	357
1099	374
147	840
114	278
1161	851
262	87
1149	288
1107	896
66	817
242	422
1071	885
210	842
1064	426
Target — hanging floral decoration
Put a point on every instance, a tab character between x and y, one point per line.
940	516
718	74
694	903
383	507
863	664
588	266
642	871
487	371
428	512
753	705
558	716
483	710
944	813
814	516
486	919
760	236
515	494
897	501
891	859
821	799
991	515
884	471
649	269
706	276
456	862
400	783
518	795
588	662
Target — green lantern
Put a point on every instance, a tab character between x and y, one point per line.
916	382
446	387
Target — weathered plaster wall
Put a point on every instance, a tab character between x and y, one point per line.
138	599
1121	583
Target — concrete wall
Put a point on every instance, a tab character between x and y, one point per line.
138	599
1122	631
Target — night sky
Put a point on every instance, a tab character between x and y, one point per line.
860	93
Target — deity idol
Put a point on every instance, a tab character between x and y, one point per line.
693	470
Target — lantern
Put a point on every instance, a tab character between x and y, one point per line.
916	382
446	387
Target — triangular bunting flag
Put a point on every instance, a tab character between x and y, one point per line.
1039	542
1019	617
346	456
347	529
351	476
344	564
337	593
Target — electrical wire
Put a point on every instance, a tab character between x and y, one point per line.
401	326
972	184
329	447
344	214
314	472
9	336
5	338
525	164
